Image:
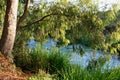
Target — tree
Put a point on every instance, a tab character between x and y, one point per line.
9	30
54	19
11	23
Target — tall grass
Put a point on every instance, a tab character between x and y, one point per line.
56	64
52	61
75	72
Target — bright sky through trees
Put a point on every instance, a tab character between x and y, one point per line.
107	3
102	3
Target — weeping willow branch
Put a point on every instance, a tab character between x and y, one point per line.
37	21
42	19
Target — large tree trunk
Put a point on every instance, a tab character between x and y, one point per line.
9	30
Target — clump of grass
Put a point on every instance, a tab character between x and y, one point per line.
57	61
75	72
39	59
41	75
52	61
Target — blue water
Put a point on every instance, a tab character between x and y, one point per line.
32	44
83	60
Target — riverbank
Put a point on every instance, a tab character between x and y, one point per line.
56	65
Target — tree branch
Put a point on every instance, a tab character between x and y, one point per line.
37	21
24	13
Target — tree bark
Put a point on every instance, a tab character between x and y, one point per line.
9	30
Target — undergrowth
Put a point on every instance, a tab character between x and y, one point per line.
54	65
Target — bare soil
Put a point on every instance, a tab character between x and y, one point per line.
8	71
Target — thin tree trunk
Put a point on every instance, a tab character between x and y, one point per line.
21	19
9	30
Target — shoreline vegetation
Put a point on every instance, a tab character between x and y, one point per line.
54	65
